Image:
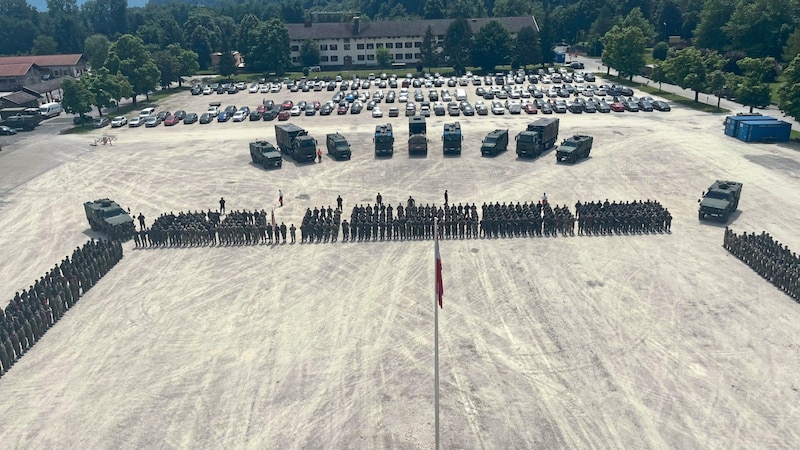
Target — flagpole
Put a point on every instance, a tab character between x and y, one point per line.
436	333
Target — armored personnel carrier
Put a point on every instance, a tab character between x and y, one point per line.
384	140
577	147
265	154
452	138
494	143
107	216
338	146
720	201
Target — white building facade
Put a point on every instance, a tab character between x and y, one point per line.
355	43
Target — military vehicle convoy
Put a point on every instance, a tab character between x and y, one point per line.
577	147
721	200
295	142
494	143
107	216
540	135
384	140
417	138
20	118
338	147
451	138
265	154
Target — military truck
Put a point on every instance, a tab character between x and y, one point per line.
494	143
574	148
417	125
720	201
338	146
417	139
539	136
265	154
107	216
295	142
20	118
384	140
451	139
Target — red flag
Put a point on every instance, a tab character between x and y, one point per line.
273	219
439	287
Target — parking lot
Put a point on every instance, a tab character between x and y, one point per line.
651	340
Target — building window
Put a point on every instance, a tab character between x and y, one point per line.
389	45
334	58
409	44
347	46
360	57
417	55
360	46
295	48
398	56
409	56
323	47
379	45
295	59
417	44
323	58
370	45
370	57
334	47
347	40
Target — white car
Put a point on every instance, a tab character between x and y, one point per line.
213	111
264	89
207	90
276	87
119	121
136	122
376	112
295	111
239	116
253	89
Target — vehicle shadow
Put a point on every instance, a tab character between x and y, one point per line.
259	166
576	163
713	222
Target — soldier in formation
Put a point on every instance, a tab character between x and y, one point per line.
321	225
196	229
34	310
604	218
768	258
526	220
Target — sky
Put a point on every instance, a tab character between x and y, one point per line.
41	5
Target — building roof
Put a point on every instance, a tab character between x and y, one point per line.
397	28
45	86
43	60
15	70
20	98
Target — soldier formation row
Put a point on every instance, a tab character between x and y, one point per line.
33	311
768	257
381	221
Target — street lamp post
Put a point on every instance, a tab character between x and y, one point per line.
666	37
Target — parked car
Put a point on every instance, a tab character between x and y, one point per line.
100	122
163	115
239	116
7	131
497	108
136	122
271	114
190	119
394	112
81	120
661	105
206	118
119	121
376	112
617	106
152	121
223	117
283	115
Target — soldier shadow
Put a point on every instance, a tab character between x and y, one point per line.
717	224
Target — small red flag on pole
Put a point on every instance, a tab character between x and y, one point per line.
439	286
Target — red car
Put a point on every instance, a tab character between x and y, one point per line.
283	115
617	107
171	120
530	108
261	109
341	110
317	105
287	105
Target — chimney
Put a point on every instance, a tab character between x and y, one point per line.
307	24
355	25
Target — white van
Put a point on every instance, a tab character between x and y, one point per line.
49	110
461	95
147	112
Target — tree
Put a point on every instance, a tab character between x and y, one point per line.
511	8
491	46
227	65
714	15
168	67
760	27
95	47
271	52
428	50
458	43
77	98
527	49
186	59
623	49
434	9
309	53
227	32
18	26
789	90
129	57
752	91
688	68
292	11
107	89
106	16
248	28
44	45
202	35
720	84
792	47
636	19
384	57
660	51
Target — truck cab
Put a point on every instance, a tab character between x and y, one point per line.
494	143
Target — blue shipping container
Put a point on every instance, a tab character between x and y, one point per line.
764	131
732	122
561	57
